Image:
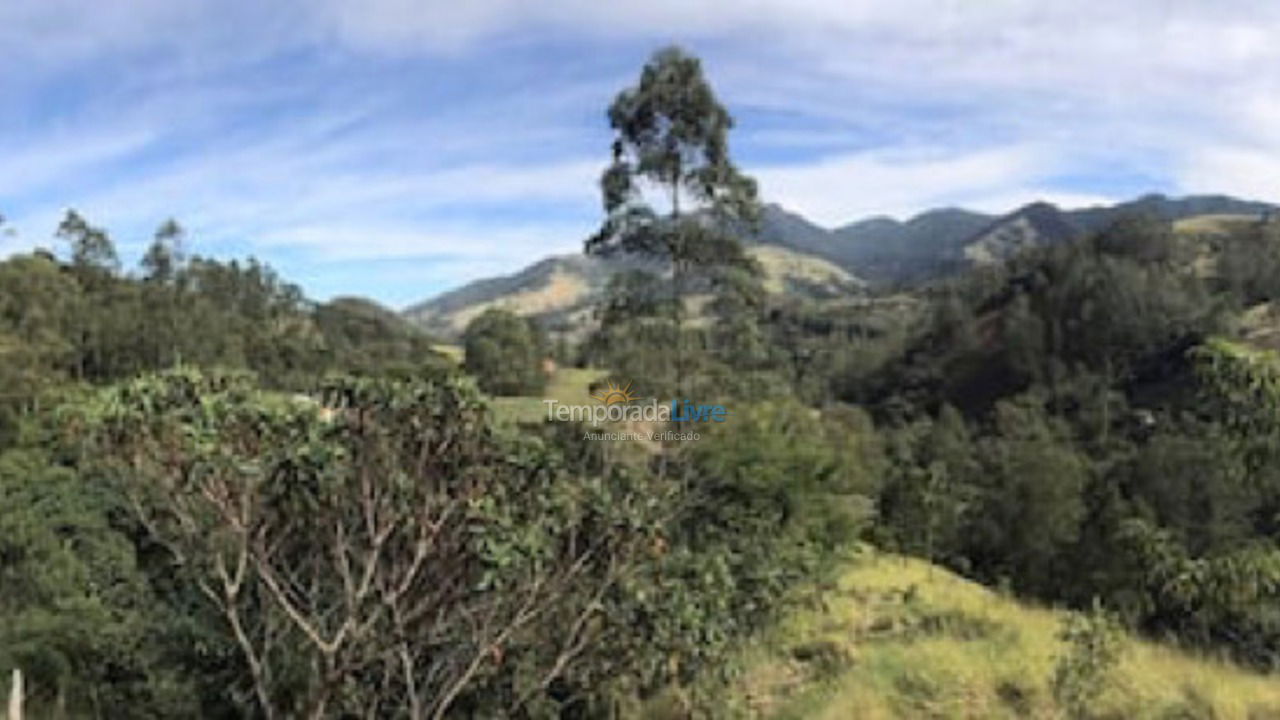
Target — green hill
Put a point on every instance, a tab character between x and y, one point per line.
897	637
562	291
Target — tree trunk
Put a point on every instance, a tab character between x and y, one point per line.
15	696
677	280
678	283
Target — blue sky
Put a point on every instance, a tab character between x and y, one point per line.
393	148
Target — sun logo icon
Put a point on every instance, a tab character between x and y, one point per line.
613	394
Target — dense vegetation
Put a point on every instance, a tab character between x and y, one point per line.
506	353
219	499
1070	425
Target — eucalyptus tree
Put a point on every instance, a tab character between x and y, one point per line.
165	254
91	246
161	265
672	193
94	264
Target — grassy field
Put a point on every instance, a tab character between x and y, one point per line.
568	385
453	352
782	267
1212	224
899	638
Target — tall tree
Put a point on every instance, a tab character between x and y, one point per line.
672	191
165	255
94	264
91	247
161	265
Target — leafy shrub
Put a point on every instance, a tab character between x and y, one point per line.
505	353
379	548
1094	645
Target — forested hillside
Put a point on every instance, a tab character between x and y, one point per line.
805	260
221	499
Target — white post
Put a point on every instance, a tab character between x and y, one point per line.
15	696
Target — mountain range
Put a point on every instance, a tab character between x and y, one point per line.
801	257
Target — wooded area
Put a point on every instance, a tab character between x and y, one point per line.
220	499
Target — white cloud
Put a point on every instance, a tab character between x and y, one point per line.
508	246
273	202
1246	172
171	109
28	167
843	188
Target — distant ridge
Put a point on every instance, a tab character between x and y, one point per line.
801	257
562	290
1041	223
888	252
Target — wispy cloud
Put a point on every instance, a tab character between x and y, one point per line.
403	145
895	182
481	246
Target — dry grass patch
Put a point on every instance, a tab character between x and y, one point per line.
915	641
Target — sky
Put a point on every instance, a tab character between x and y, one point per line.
395	149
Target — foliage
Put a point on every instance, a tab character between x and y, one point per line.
363	337
672	131
82	320
1094	645
930	491
377	548
505	353
39	305
77	614
774	497
1144	238
1081	421
671	144
1032	498
1249	263
1091	398
92	251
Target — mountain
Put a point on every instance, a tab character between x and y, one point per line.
562	290
1171	209
888	252
800	257
1041	223
1035	224
892	252
556	289
880	249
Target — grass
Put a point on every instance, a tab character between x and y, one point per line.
900	638
568	385
1212	224
782	267
453	352
1259	326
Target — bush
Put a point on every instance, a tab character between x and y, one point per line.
378	548
1094	645
776	491
505	353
